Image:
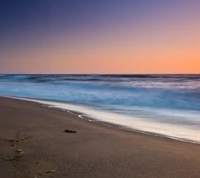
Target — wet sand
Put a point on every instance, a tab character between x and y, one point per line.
95	150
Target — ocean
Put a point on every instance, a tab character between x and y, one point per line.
162	105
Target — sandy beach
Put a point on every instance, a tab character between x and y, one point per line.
33	143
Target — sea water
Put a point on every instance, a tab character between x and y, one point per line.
165	105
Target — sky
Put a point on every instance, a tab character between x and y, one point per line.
100	36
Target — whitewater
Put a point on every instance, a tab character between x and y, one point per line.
163	105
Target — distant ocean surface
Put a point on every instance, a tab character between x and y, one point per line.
167	105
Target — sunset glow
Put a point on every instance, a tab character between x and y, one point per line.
110	36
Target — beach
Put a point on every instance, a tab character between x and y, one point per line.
94	150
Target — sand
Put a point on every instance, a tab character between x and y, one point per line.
94	151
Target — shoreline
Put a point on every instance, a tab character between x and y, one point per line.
95	150
92	119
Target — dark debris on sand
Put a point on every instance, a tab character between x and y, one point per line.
70	131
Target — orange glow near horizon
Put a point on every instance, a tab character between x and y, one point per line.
169	45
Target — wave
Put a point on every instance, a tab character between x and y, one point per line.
82	77
161	100
142	125
116	94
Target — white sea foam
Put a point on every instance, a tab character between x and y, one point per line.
176	132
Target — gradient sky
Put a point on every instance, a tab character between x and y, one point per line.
100	36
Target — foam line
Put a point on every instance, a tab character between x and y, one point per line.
175	132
